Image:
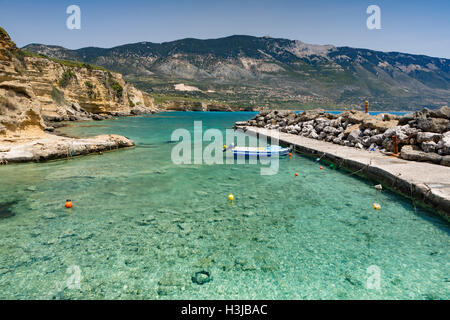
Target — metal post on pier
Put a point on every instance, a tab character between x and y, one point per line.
394	144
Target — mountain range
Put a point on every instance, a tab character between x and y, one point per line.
272	72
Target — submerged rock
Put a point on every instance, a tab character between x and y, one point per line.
6	209
201	277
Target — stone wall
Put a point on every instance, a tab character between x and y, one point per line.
421	136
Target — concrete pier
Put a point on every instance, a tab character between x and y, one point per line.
428	183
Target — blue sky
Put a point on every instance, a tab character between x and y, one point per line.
421	27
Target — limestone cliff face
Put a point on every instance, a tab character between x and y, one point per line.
19	106
34	89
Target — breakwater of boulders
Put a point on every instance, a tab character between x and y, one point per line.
420	136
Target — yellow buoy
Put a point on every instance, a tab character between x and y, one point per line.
230	197
376	206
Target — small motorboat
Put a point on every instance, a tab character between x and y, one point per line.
268	151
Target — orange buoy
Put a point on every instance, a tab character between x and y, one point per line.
321	167
376	206
290	154
296	174
69	203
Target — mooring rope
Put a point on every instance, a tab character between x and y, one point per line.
361	169
342	161
412	198
323	155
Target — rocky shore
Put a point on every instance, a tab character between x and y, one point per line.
38	93
421	136
49	147
74	112
201	106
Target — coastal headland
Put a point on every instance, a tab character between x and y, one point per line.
37	93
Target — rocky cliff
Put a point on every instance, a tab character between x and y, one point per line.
276	73
36	90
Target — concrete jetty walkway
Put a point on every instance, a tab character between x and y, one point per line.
426	182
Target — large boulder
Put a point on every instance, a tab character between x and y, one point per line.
354	135
438	125
387	116
307	129
428	136
264	113
405	119
321	123
313	134
336	123
399	131
443	145
443	112
377	139
411	153
269	116
380	125
331	130
355	116
311	114
429	146
351	128
445	161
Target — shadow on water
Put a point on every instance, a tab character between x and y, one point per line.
148	146
6	209
421	210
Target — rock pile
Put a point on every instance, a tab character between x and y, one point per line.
421	136
74	112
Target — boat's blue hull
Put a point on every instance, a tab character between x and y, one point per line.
262	153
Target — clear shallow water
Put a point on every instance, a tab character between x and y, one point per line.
141	227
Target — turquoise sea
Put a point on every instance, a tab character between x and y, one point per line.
143	227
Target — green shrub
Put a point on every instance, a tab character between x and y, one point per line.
90	91
67	63
117	88
111	84
66	77
58	96
87	66
3	32
131	103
